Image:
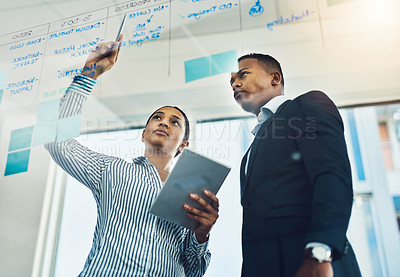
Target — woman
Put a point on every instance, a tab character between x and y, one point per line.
128	240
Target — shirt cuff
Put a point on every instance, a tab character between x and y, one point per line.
83	84
314	244
200	248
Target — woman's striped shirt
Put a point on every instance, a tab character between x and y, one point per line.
128	240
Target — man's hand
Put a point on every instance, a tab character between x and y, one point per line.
103	57
312	268
206	218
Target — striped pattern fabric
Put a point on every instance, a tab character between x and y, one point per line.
128	240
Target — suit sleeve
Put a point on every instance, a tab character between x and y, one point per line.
324	153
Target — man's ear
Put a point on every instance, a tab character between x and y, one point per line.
276	78
143	135
184	144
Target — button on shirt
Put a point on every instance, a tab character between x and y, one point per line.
128	240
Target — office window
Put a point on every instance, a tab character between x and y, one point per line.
396	200
386	146
363	237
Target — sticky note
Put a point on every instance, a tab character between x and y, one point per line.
44	133
197	68
68	128
17	162
47	111
224	62
20	138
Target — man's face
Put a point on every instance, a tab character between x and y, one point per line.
165	130
253	86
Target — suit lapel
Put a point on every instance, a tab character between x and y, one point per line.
244	178
255	144
242	173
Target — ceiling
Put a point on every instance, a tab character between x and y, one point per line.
348	49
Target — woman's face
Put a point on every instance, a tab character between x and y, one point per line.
165	131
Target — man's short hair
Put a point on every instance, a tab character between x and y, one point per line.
270	63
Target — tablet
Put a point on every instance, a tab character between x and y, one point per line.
192	173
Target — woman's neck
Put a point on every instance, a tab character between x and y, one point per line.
161	161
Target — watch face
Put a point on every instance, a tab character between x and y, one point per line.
320	253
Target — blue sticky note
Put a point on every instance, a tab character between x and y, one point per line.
20	138
44	133
17	162
68	128
224	62
47	111
197	68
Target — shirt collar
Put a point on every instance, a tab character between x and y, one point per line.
142	160
270	107
268	110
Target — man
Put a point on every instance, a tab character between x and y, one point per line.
296	188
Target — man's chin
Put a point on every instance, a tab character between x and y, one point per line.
246	106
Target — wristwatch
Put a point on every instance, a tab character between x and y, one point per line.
320	253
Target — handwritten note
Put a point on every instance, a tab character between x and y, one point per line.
39	62
289	19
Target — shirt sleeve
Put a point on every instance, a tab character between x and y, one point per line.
77	160
195	256
314	244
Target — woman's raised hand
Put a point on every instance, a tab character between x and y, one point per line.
103	57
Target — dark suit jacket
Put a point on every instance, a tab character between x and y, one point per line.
297	189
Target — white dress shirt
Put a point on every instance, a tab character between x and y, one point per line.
266	112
